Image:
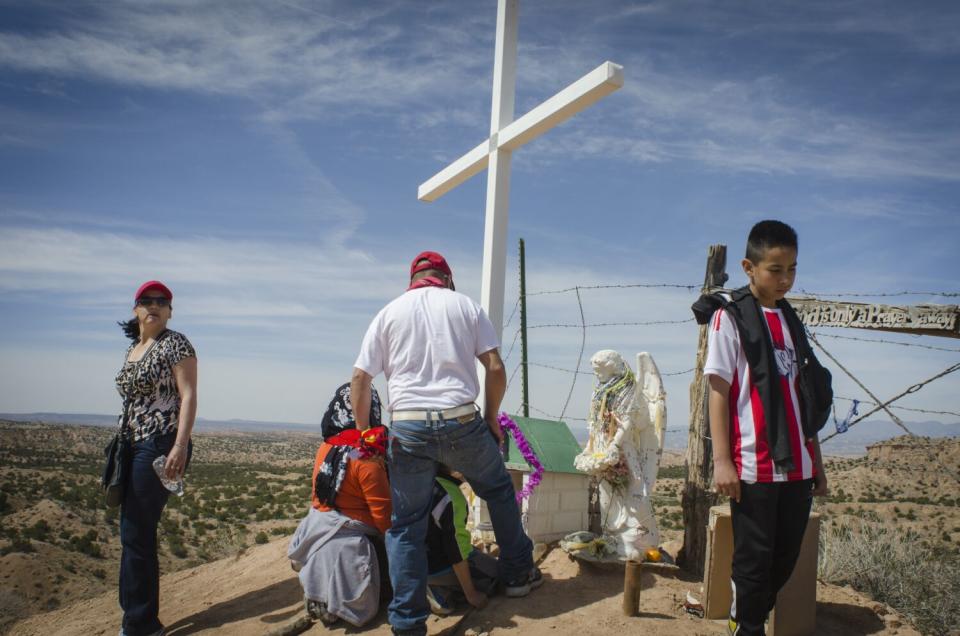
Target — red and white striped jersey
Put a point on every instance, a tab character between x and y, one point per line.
749	446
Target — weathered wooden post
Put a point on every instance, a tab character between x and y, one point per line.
697	495
632	573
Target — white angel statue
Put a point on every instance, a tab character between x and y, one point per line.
627	420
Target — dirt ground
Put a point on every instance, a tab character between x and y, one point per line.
257	593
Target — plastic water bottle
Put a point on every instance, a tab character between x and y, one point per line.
173	485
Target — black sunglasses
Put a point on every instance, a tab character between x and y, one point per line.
160	301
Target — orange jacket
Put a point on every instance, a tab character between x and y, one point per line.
365	492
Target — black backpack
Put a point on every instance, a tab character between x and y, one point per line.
814	382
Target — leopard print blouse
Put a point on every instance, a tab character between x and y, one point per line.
149	389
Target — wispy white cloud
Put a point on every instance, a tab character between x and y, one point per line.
217	278
748	126
905	210
296	60
934	29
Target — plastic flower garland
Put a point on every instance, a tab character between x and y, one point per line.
531	458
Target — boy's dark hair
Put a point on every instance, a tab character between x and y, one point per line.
766	235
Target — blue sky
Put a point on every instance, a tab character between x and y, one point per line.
262	158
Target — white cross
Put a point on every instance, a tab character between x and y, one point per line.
506	135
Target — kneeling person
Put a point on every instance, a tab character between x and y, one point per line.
338	547
452	561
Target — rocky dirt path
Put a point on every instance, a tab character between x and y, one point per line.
257	593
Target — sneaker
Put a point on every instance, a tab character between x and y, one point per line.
160	632
522	587
733	627
439	601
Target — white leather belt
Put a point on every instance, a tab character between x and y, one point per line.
439	414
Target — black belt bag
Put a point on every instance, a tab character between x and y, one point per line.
119	461
116	470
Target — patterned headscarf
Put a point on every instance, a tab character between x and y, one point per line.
339	414
337	421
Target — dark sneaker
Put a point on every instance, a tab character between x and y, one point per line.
522	587
318	611
733	628
439	601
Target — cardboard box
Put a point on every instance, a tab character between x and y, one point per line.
717	564
797	601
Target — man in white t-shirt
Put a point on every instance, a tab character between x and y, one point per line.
427	342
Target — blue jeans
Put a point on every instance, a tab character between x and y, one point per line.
416	447
143	501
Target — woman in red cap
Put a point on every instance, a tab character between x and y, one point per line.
158	383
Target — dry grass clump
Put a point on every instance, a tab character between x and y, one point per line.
895	567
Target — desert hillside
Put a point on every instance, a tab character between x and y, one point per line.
222	543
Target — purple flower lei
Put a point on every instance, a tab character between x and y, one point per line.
528	454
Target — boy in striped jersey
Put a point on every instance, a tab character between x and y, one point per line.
766	457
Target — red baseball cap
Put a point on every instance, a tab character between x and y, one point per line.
153	285
430	260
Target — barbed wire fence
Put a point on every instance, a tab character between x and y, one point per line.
576	372
584	327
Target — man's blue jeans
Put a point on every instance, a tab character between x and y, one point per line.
416	447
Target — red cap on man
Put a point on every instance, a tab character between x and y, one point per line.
152	285
431	260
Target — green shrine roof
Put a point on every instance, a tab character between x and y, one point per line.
553	443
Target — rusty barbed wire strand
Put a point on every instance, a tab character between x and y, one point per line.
550	366
512	344
617	286
899	408
892	342
513	312
512	373
913	389
554	417
896	420
880	294
648	323
583	343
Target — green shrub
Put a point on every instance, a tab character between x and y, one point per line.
39	531
177	549
87	544
261	537
18	545
672	472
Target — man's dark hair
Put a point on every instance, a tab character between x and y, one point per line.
766	235
436	273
